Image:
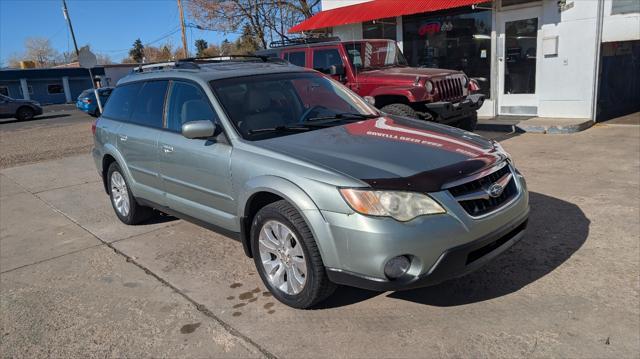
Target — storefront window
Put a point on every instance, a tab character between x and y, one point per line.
380	29
456	39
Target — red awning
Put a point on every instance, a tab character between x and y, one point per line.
377	9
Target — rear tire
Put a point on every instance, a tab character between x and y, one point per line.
294	232
122	200
469	123
25	113
400	109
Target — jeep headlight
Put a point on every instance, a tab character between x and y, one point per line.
402	206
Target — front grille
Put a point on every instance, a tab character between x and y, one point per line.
480	206
449	89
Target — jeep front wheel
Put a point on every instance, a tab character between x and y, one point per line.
400	109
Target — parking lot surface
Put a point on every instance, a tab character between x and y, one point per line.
76	282
61	131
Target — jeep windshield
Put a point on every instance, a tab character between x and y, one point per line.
272	105
372	55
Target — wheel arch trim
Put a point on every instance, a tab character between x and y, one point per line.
299	199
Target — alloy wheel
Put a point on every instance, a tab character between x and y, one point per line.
119	194
282	257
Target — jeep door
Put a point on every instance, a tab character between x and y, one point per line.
139	106
195	172
324	57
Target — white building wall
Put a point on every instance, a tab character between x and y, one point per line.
620	27
332	4
565	82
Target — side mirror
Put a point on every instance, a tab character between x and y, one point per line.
200	129
336	70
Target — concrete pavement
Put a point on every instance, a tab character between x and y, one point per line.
76	282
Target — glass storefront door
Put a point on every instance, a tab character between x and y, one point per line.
518	54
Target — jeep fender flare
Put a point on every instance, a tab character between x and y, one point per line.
299	199
412	94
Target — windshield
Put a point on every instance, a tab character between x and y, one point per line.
267	106
370	55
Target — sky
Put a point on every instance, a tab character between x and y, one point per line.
109	26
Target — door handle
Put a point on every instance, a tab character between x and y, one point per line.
123	138
167	149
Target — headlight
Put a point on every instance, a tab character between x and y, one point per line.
428	86
465	81
402	206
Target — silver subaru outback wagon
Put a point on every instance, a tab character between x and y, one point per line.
319	186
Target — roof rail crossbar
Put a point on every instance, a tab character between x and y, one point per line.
301	41
225	58
154	66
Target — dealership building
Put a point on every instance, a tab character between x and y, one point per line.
544	58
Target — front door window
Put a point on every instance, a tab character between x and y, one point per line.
520	46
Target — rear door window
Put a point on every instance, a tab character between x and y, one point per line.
297	58
121	101
323	59
149	104
187	103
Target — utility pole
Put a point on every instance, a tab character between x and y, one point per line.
184	34
65	12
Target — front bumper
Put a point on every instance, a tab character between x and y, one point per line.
441	247
447	112
453	263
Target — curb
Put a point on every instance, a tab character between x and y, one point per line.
523	126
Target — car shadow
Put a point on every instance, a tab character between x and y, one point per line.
556	230
159	217
37	118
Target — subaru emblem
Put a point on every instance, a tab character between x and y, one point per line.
495	190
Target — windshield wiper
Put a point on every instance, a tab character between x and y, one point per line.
343	116
280	129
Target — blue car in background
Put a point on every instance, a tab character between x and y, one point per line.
87	100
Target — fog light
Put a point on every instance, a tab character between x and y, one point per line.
396	267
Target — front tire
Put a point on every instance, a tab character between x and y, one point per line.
400	109
25	113
122	200
287	257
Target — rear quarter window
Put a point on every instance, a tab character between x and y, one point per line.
121	102
149	104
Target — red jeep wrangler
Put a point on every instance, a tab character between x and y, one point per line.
377	70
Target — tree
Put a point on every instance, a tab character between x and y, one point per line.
226	48
201	46
39	51
266	19
137	51
246	43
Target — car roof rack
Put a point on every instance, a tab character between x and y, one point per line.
192	62
155	66
301	41
227	58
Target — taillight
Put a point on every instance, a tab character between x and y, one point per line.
86	100
93	127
